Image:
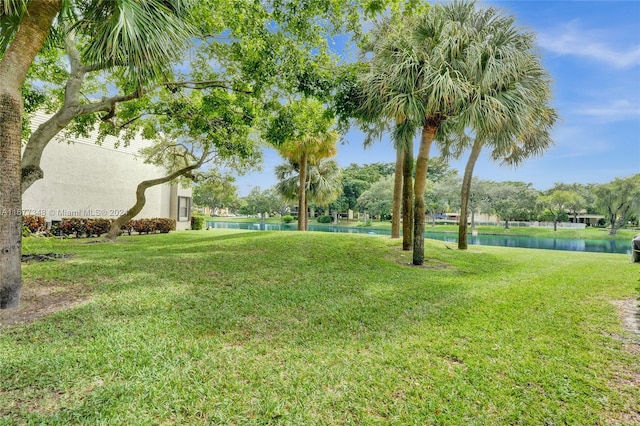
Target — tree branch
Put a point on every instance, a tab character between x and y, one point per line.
141	199
203	84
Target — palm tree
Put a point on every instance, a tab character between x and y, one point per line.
139	38
308	150
428	72
323	182
512	113
384	100
302	135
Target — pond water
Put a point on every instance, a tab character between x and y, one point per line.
597	246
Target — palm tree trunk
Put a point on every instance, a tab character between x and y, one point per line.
302	192
10	199
422	165
15	63
465	193
397	195
306	210
407	197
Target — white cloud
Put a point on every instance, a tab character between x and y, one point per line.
617	110
571	142
576	41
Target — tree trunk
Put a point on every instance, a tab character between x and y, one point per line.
14	65
397	195
306	209
422	164
70	109
302	192
10	199
141	199
40	138
465	193
407	197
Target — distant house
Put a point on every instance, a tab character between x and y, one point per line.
82	179
587	219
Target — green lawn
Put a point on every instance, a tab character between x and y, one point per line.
257	328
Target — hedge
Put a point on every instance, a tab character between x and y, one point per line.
89	227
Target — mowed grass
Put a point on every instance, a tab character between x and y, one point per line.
255	328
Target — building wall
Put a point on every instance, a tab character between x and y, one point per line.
82	179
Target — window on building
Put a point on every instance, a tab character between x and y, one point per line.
184	204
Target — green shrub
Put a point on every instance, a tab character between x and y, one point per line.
197	223
97	227
143	226
33	223
324	219
163	225
26	232
287	218
73	226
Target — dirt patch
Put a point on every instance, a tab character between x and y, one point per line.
40	299
626	378
405	258
44	257
629	315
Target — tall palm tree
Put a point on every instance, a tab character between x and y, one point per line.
307	144
385	100
323	182
138	37
512	115
428	72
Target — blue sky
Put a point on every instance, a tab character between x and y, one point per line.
592	51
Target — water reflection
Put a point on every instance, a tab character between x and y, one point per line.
597	246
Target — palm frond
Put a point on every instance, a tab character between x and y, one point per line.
143	37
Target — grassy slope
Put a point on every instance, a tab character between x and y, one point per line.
231	327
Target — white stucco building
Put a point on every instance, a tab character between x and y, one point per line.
82	179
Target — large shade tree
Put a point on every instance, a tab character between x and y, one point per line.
263	203
513	201
215	191
25	29
213	129
138	40
557	203
378	200
618	200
